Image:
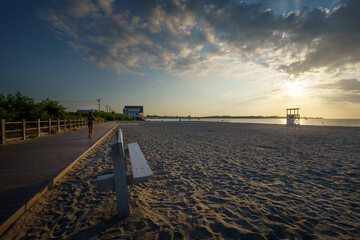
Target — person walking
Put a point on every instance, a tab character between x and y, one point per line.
91	119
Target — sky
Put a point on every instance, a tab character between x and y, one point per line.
185	57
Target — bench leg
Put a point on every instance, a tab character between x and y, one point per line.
122	197
126	152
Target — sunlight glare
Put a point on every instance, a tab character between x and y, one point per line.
293	88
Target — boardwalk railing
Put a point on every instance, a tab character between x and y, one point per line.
24	129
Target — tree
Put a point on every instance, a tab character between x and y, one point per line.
16	107
52	109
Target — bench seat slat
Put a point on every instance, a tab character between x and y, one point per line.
139	166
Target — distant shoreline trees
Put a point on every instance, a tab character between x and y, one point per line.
17	106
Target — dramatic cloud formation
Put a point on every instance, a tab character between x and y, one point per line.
196	35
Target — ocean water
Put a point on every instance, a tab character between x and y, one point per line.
281	121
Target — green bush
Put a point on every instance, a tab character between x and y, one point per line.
33	134
53	131
107	116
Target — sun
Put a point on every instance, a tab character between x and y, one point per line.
293	88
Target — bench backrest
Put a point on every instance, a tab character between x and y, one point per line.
118	156
120	141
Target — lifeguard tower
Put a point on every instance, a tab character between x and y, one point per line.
292	116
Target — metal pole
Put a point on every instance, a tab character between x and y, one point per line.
99	103
49	126
58	125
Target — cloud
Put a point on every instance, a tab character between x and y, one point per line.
339	98
77	9
332	41
344	85
195	35
344	90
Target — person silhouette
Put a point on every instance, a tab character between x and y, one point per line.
91	119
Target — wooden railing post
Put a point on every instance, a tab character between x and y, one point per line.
49	126
58	125
64	125
3	133
38	127
24	129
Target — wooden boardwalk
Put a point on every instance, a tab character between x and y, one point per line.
27	167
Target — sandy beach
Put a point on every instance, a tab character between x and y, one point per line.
212	181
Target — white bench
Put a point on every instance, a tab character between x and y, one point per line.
118	181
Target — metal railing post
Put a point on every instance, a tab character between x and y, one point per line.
3	133
24	129
64	125
49	126
58	125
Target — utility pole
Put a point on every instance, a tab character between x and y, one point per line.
98	102
107	108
